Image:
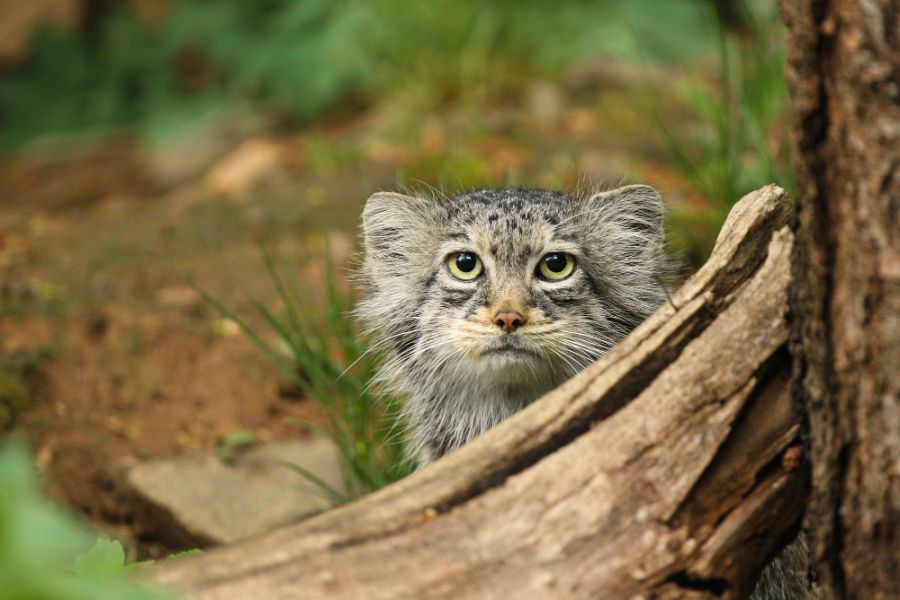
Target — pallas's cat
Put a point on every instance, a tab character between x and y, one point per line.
489	299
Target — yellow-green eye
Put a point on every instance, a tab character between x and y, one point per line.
556	266
464	265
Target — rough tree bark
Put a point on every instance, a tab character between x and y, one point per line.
844	74
668	469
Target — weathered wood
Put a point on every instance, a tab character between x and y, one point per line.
667	469
844	75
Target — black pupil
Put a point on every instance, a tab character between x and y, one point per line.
556	262
465	262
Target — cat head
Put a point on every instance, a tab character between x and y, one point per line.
514	287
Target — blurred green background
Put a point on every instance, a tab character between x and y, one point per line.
150	148
695	85
158	66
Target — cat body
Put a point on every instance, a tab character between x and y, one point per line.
487	300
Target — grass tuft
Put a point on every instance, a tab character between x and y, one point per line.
320	350
739	141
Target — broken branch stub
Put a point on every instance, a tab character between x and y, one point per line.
667	469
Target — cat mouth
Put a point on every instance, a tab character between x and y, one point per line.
522	351
509	349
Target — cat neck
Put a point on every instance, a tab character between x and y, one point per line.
447	416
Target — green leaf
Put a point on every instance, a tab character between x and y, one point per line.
106	558
232	442
185	554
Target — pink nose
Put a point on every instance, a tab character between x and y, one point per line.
509	321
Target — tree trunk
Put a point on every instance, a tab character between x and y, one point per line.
668	469
843	70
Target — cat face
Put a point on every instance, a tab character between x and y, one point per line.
512	288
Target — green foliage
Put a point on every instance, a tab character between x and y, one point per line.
322	353
68	85
739	140
45	553
302	58
106	558
469	47
233	442
296	58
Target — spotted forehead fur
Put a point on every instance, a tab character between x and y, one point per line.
509	224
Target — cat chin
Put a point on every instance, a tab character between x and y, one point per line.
512	366
512	358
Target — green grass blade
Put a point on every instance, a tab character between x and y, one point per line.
330	493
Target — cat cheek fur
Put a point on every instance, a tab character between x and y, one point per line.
397	275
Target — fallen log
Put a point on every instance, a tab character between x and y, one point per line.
668	469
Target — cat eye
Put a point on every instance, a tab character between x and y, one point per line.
555	266
464	265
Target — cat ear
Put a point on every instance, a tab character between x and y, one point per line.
391	220
638	209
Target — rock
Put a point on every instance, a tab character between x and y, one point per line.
247	165
199	147
546	101
201	500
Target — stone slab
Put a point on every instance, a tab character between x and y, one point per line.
203	500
